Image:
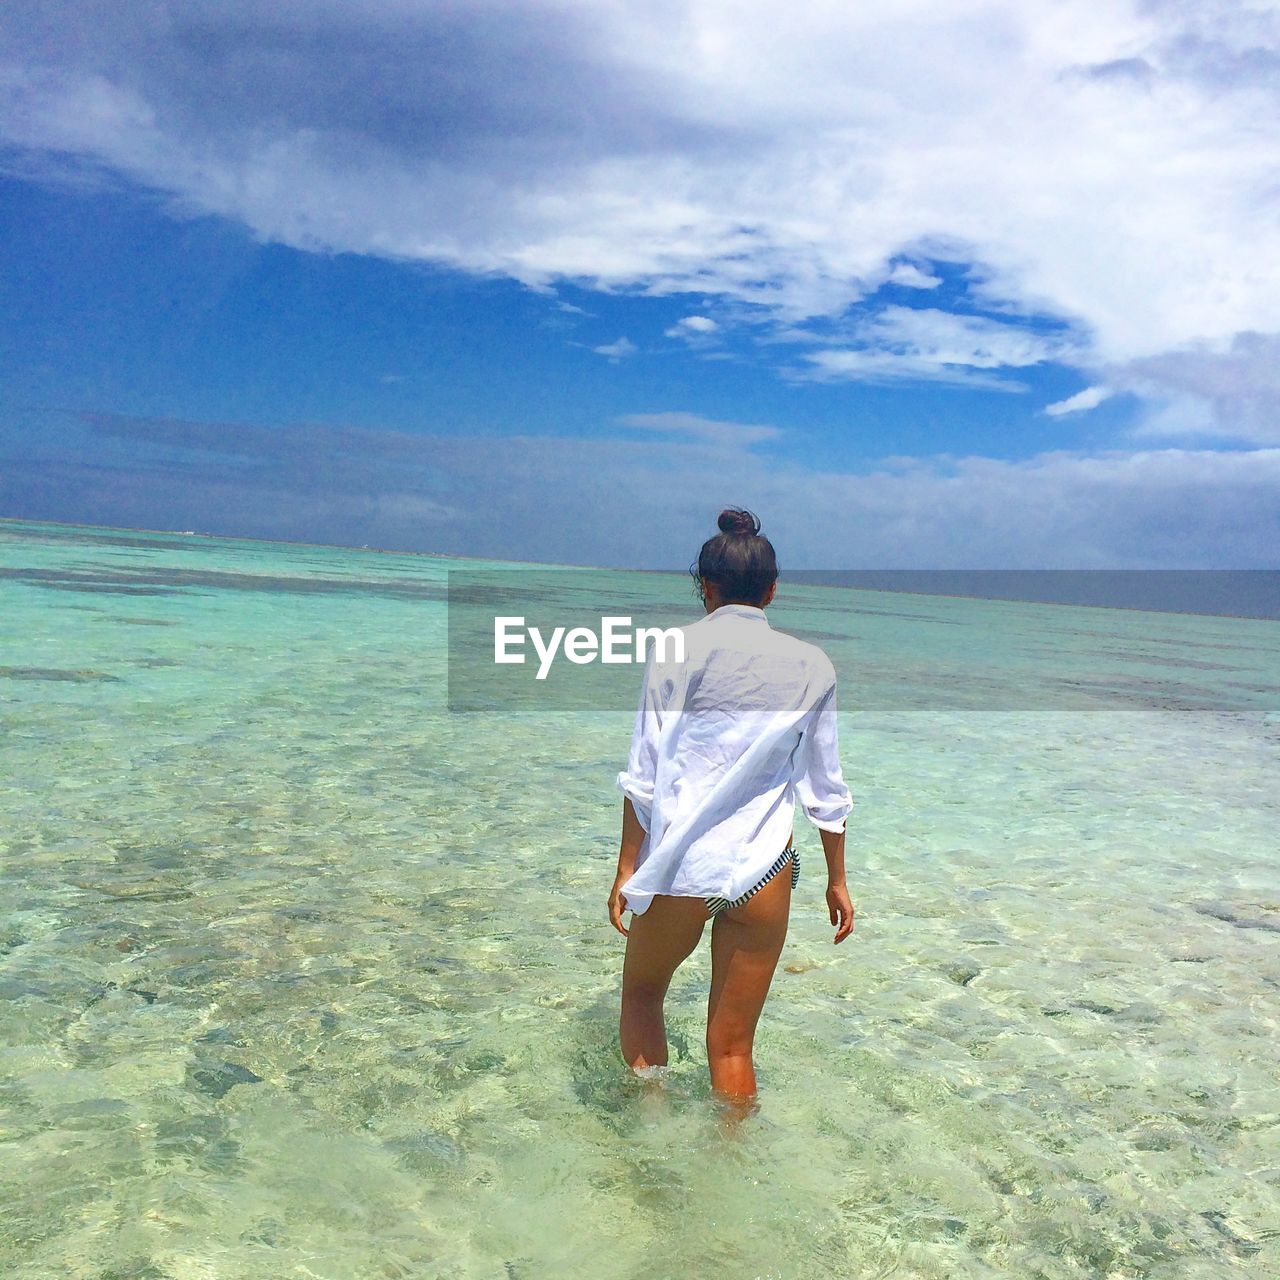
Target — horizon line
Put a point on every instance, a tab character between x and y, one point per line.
545	564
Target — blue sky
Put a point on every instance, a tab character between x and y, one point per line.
955	287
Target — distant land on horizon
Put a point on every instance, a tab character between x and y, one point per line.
1232	593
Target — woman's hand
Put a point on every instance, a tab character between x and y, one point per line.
617	905
841	910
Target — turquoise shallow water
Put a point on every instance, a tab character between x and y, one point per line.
304	975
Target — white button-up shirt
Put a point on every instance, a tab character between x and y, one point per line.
725	743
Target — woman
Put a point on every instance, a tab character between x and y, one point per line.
725	742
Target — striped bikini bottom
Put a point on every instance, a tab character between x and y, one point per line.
717	905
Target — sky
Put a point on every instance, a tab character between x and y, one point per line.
944	285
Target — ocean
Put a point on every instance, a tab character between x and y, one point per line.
306	968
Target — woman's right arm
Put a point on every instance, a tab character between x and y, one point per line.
636	782
628	848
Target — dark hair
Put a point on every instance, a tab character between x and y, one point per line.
739	560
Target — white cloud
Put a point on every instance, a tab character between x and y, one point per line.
840	365
707	430
618	350
1089	398
913	344
693	329
909	276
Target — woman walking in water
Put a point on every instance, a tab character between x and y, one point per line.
725	743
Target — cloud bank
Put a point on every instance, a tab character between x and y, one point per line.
648	496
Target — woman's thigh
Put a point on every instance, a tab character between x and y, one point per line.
746	942
659	940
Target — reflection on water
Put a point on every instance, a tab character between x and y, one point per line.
304	976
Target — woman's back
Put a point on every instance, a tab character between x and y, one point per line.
721	751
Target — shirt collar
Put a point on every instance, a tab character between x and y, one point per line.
739	611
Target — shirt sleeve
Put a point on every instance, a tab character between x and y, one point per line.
820	785
636	781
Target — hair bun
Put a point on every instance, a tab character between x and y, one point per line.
733	520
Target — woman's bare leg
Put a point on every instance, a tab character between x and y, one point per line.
659	940
746	942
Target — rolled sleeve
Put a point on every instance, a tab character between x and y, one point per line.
820	785
636	781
